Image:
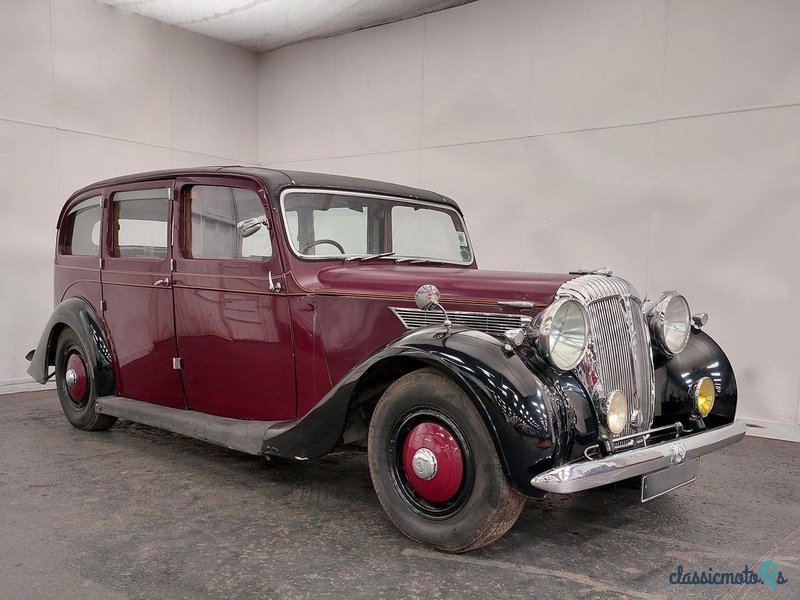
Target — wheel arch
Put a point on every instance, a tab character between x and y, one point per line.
520	410
79	316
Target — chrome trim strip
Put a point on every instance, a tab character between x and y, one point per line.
337	192
492	323
516	303
633	463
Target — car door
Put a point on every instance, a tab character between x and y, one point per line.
232	325
137	292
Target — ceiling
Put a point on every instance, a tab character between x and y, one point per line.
263	25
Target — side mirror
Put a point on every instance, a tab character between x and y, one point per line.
427	298
248	227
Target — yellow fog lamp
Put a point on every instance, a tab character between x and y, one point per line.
703	394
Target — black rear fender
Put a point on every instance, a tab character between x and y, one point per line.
78	315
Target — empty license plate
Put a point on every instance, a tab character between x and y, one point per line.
666	480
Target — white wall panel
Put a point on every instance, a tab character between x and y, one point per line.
378	83
587	201
83	159
730	182
595	63
27	157
318	165
397	167
26	68
214	97
477	73
487	182
111	73
181	159
296	102
726	54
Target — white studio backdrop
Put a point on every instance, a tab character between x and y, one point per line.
658	137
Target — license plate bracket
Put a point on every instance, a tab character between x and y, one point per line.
663	481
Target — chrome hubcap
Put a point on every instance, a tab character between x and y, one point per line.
424	464
70	377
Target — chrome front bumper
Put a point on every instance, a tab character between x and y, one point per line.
641	461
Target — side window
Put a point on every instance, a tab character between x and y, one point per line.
211	231
82	228
139	223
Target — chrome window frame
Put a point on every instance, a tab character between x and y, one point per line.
393	258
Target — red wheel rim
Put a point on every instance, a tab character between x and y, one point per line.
433	462
76	380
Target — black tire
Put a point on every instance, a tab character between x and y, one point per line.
485	506
80	412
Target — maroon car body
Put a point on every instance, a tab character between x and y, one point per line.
288	354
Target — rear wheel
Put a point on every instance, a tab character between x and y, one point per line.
435	468
76	385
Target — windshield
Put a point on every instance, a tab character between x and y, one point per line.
344	225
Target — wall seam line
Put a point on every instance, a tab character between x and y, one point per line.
528	118
422	100
657	149
537	135
169	95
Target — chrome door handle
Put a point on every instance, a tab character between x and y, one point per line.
162	282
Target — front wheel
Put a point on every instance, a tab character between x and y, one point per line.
76	386
435	468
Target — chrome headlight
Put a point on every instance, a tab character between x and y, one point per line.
564	333
670	322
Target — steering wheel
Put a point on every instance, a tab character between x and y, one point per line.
318	242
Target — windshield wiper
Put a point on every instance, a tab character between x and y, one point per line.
426	261
369	256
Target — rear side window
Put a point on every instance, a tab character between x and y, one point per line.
140	220
82	228
211	231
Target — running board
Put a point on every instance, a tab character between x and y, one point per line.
236	434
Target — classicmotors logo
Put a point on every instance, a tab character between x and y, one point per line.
768	574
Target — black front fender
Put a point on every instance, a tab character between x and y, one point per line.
676	375
532	413
78	315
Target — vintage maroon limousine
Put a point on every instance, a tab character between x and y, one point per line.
284	313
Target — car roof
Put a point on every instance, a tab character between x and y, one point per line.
278	180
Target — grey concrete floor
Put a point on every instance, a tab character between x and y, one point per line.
140	513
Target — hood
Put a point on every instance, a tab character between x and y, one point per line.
457	285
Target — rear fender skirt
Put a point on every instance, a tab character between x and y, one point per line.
78	315
676	375
531	420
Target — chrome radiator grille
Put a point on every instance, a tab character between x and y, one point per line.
491	323
619	355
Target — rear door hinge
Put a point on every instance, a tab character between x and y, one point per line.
177	364
103	306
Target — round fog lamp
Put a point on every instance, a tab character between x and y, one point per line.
704	394
616	409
